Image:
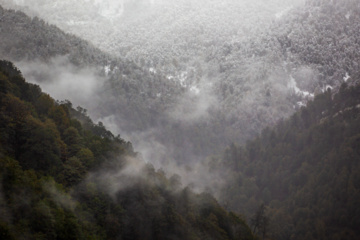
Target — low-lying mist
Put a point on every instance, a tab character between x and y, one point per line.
63	80
83	87
196	125
227	96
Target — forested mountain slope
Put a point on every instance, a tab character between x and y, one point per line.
187	94
45	52
242	57
309	49
64	177
183	110
305	170
155	31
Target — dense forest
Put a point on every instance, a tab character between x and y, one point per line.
256	106
64	177
213	92
305	171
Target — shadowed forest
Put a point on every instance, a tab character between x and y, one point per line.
216	119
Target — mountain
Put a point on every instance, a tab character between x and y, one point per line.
143	28
40	48
64	177
189	93
184	80
177	39
305	170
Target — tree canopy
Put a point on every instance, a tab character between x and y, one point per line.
64	177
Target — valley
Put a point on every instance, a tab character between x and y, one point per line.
183	81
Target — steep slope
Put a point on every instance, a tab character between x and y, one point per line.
309	49
156	29
183	110
64	177
305	170
41	48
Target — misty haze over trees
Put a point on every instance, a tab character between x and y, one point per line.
253	102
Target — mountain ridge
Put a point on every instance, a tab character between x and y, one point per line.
64	177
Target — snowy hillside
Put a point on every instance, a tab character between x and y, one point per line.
224	69
138	28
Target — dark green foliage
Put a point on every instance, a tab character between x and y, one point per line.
260	222
304	170
130	91
250	75
63	177
40	141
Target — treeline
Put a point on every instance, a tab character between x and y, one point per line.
249	76
316	44
64	177
131	88
305	171
25	38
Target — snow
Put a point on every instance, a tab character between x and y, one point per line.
301	104
182	79
292	85
347	76
195	90
152	70
307	94
327	87
107	70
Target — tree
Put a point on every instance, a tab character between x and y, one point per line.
40	145
86	157
260	221
73	172
44	103
72	139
